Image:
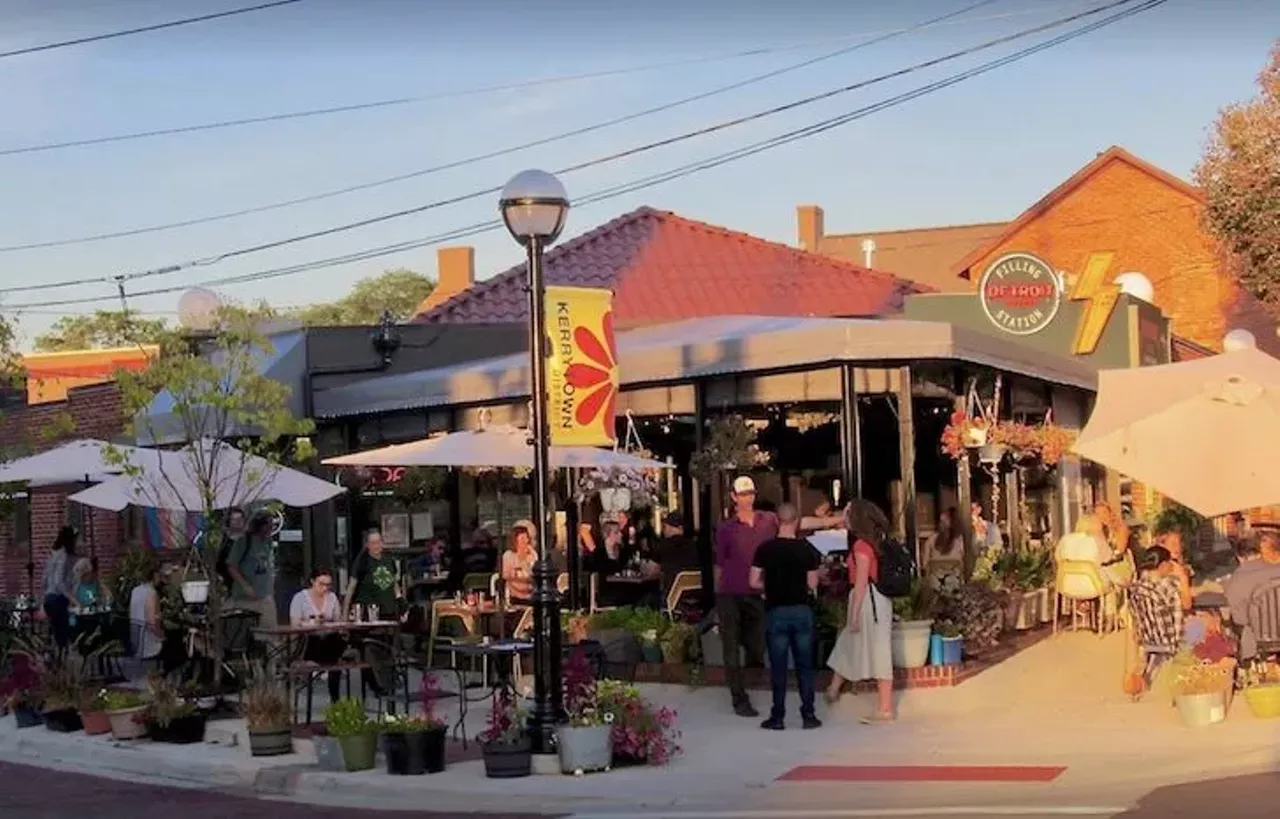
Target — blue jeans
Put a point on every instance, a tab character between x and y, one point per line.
790	631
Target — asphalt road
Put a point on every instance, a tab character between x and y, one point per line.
38	793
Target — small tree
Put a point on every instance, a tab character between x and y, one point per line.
219	395
398	292
1240	176
103	329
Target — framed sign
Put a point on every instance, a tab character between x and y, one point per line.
1020	294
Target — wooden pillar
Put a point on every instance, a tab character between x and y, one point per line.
704	521
907	458
850	435
964	486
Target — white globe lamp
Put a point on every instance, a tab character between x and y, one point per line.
534	205
1136	285
1239	339
198	309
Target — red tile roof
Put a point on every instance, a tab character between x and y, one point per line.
1185	349
663	267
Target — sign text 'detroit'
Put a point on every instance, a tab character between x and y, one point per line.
1020	293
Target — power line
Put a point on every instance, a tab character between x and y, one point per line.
342	228
129	32
654	179
488	89
421	172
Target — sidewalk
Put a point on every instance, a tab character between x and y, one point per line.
1057	704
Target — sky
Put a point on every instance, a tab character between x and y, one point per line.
982	150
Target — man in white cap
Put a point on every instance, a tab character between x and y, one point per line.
740	608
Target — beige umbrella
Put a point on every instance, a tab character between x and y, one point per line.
1205	433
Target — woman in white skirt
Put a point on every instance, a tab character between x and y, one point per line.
863	650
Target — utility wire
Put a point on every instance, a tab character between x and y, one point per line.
129	32
649	181
421	172
207	261
488	89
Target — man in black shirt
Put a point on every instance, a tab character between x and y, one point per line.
786	570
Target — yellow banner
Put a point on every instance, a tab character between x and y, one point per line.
582	368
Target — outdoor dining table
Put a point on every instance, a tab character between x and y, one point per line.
494	653
1209	601
291	642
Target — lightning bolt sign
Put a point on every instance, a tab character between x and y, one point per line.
1099	297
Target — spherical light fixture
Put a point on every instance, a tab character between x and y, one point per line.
534	206
1238	339
198	309
1136	285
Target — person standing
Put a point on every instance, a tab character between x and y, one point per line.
249	567
863	650
740	609
58	585
786	570
373	580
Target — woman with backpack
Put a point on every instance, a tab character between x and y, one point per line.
862	651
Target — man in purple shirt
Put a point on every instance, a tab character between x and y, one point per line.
740	608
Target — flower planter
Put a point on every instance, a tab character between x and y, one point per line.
1263	700
512	760
328	754
1023	611
1046	602
615	500
651	652
187	730
28	717
195	592
992	453
1199	710
946	650
910	643
63	721
975	437
359	752
95	723
414	753
270	741
128	723
586	749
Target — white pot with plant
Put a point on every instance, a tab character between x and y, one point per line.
585	739
912	628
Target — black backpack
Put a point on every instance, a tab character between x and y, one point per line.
897	569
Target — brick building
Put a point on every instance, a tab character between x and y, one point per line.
87	412
1119	204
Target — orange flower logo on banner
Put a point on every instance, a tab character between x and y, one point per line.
582	370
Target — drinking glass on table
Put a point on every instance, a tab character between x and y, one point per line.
373	614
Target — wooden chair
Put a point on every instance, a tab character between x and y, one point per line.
440	610
594	598
1080	581
684	583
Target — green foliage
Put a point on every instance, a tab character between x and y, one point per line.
1176	517
167	703
648	625
398	292
420	484
1240	179
123	700
105	329
730	446
130	571
347	718
917	605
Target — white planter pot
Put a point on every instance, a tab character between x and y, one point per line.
910	643
584	750
615	500
975	437
195	592
1046	605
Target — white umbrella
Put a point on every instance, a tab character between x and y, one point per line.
78	461
502	446
177	479
1202	432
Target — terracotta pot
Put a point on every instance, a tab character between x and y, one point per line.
96	723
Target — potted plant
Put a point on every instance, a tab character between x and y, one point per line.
61	689
348	724
912	627
415	745
729	446
1200	695
127	712
172	717
93	712
269	718
977	610
1262	689
676	640
508	751
640	734
584	740
963	433
946	646
20	691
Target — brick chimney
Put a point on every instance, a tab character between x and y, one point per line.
455	272
809	227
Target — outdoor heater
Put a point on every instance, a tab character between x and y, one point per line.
534	206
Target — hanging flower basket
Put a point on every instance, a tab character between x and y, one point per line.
619	489
964	433
730	446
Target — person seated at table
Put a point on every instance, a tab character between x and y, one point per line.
1119	569
313	606
517	563
479	555
147	635
677	552
1252	575
944	564
1167	581
609	559
1086	544
87	592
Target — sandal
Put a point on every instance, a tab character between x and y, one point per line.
878	719
831	699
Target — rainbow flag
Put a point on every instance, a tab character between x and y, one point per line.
169	528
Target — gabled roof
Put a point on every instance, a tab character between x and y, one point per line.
663	267
1113	154
923	255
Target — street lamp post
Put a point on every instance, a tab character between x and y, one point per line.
534	206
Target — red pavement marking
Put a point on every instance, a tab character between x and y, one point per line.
922	773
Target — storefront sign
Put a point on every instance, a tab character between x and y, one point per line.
582	368
1020	294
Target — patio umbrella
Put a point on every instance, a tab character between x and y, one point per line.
1202	432
502	446
175	480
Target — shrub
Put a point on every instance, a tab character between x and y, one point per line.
640	732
